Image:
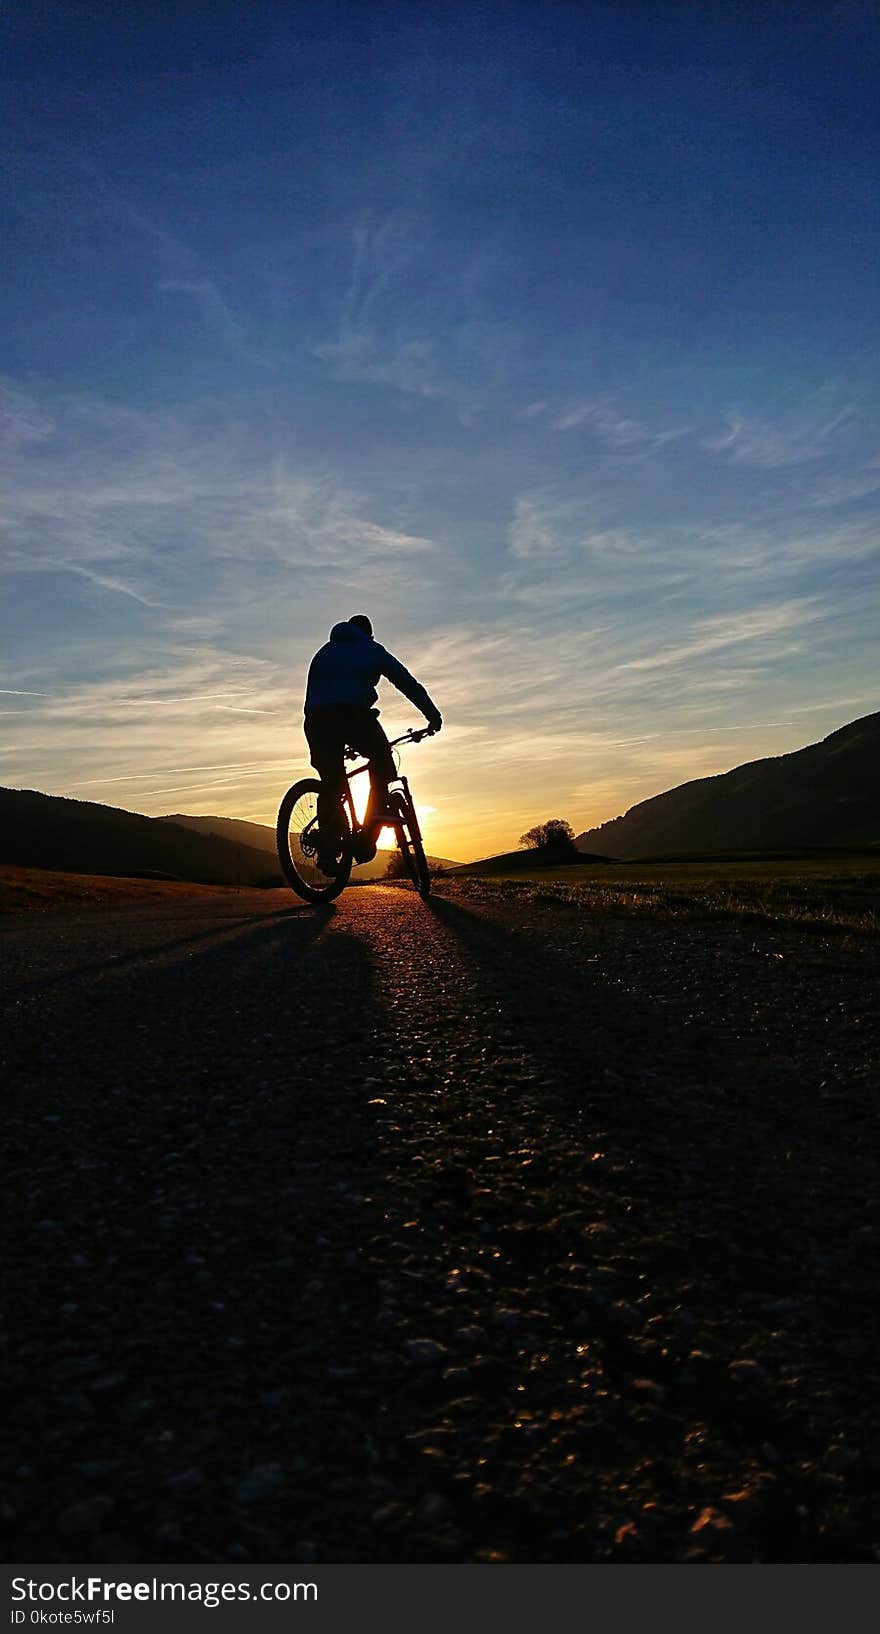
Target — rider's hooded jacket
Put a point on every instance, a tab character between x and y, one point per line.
347	669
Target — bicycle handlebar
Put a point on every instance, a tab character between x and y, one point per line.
414	735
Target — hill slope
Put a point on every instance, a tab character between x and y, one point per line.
47	831
513	862
263	838
826	794
234	829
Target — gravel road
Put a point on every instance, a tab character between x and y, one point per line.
468	1230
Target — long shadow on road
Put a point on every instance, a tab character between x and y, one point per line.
711	1151
616	1067
629	1067
310	920
595	1217
183	1249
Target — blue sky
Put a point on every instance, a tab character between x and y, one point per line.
547	334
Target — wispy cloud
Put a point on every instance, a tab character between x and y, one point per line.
533	411
117	731
131	501
795	438
443	345
308	519
23	422
218	316
613	429
368	343
540	526
718	633
407	366
545	524
103	581
846	487
618	431
552	527
582	686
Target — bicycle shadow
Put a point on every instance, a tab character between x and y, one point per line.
583	1194
576	1023
649	1090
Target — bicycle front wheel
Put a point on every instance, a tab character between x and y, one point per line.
409	840
297	839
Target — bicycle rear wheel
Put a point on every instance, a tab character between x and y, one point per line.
409	840
297	839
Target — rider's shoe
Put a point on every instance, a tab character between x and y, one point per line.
328	861
363	848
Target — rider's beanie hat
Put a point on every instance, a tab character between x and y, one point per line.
362	622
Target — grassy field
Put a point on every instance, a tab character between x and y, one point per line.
840	892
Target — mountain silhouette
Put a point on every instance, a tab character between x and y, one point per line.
236	829
263	839
825	794
80	836
48	831
522	861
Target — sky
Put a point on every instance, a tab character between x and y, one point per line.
547	334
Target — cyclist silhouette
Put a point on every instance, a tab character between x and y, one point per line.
339	713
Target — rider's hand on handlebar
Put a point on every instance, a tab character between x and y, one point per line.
433	727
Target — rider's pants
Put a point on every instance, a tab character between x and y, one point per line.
329	731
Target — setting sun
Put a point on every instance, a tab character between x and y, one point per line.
360	790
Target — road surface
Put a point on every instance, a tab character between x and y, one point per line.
465	1230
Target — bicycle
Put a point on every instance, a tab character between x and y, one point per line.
297	832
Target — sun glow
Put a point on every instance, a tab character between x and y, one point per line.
360	792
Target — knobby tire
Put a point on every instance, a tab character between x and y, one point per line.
306	879
409	839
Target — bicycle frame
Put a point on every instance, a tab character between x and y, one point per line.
298	860
412	736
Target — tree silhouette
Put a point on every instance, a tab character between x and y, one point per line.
555	835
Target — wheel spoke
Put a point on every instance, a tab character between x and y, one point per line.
302	838
298	834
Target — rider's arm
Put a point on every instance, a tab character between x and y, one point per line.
400	677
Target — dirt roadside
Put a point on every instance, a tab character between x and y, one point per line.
40	890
